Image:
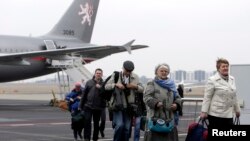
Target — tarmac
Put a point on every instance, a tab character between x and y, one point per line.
29	117
35	120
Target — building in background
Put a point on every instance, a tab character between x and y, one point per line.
199	75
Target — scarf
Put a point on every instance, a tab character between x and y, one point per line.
167	84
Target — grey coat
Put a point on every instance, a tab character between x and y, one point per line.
152	95
134	79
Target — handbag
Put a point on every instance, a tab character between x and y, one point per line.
161	125
197	131
78	116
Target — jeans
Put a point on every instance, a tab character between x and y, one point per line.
137	128
121	124
176	117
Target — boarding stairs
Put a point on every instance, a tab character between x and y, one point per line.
77	71
70	65
70	71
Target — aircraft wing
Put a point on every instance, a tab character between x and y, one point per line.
188	87
98	51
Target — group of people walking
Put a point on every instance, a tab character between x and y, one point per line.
91	101
88	102
158	99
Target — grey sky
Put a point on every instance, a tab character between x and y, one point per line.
186	34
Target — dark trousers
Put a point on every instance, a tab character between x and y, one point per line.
217	121
103	120
77	131
96	114
77	125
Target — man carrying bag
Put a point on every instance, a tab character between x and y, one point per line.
126	87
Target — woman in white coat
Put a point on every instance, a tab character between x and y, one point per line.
220	100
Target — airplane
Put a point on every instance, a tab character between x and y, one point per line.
187	87
29	57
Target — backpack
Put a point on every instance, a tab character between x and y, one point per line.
107	94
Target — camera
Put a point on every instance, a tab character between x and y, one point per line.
126	90
132	108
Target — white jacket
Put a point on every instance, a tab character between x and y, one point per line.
220	99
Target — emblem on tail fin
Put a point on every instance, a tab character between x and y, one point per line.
86	12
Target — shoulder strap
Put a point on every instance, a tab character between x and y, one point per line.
164	110
116	76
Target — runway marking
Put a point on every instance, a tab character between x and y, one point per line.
35	135
60	123
37	124
10	120
18	125
33	124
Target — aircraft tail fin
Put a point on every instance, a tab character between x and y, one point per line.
78	21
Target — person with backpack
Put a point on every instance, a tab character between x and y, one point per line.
92	103
122	101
